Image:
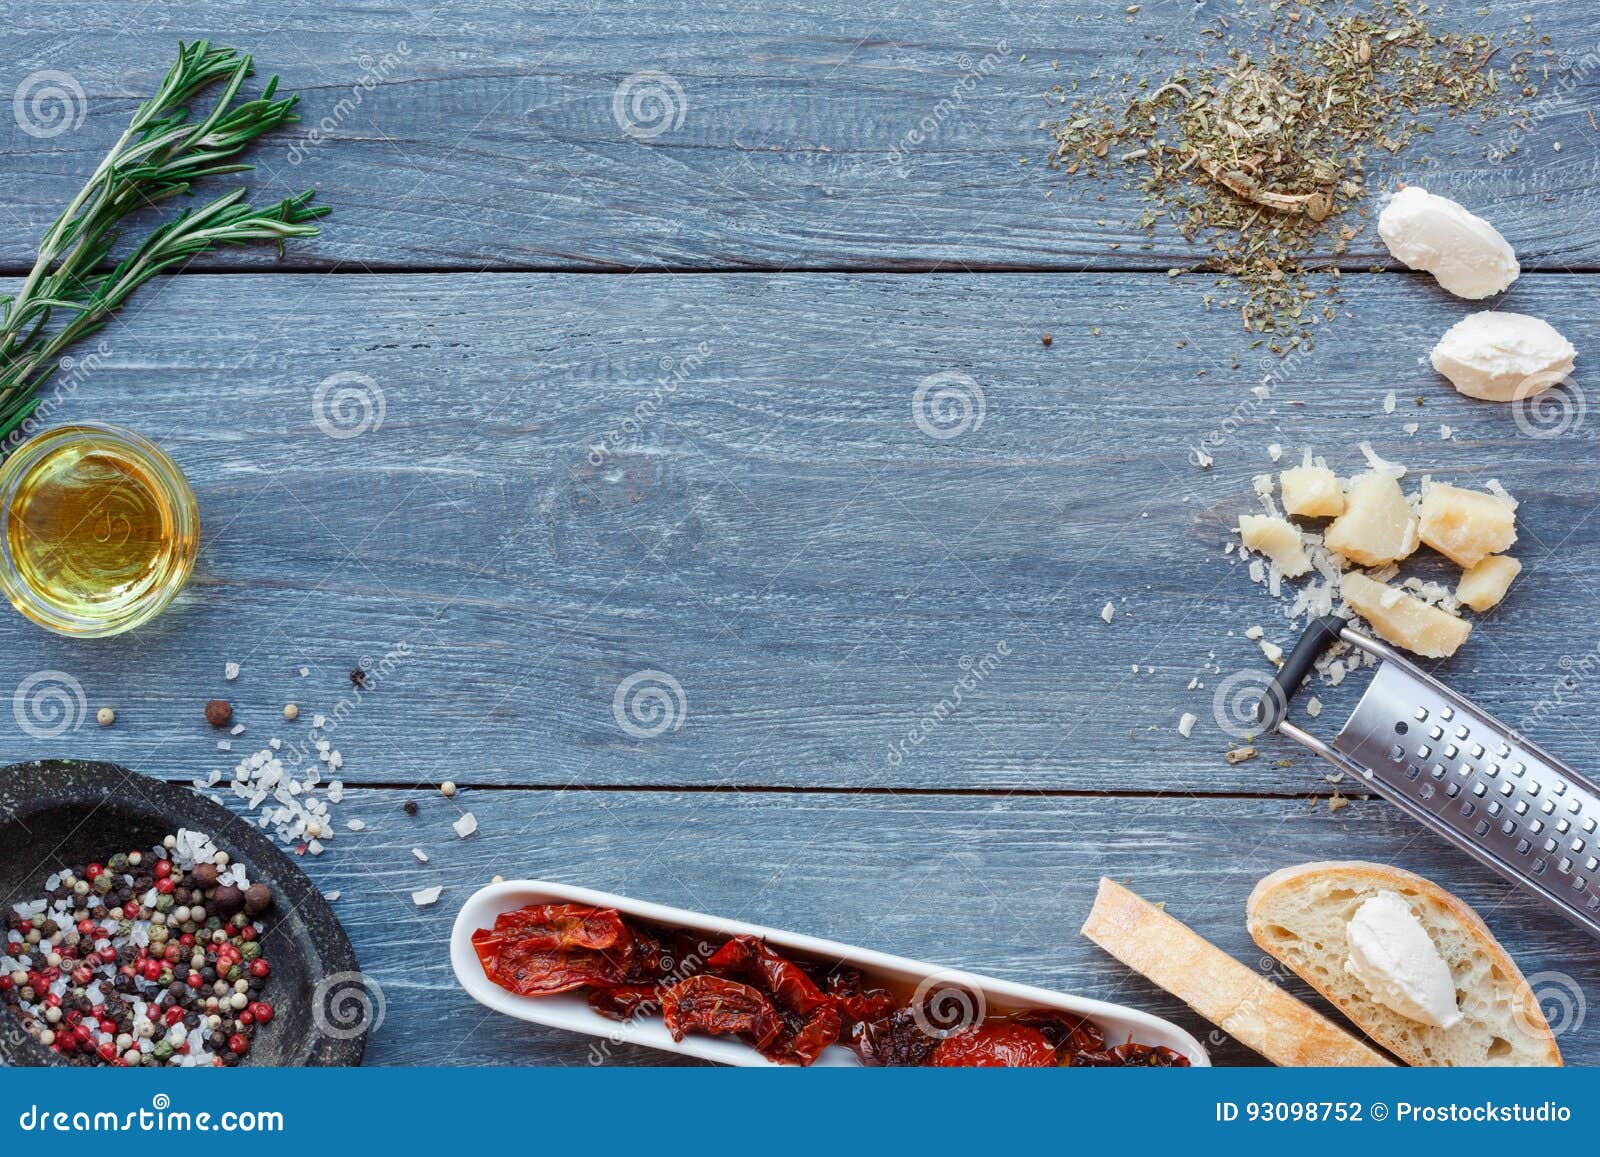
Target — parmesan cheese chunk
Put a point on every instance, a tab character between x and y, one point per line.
1278	539
1487	582
1466	526
1377	526
1404	620
1311	492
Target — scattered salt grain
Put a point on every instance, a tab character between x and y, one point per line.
318	721
1411	428
466	825
1186	724
1272	651
304	671
1275	452
422	856
1108	612
330	896
224	745
425	896
1388	402
238	729
1314	707
355	825
230	671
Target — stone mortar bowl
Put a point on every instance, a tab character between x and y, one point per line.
61	813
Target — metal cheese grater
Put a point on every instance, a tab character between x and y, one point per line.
1463	773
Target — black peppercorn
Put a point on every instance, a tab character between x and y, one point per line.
411	807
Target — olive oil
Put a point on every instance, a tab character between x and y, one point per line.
100	530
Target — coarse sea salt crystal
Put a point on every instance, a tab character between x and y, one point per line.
1388	402
304	671
238	729
331	896
230	671
318	720
466	825
422	897
1108	612
1186	724
422	856
355	825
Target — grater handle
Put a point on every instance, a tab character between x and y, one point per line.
1319	636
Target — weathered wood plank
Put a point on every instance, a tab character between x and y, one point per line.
998	886
778	535
818	135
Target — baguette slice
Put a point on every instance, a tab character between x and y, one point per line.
1240	1001
1299	915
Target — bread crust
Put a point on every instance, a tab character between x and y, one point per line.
1237	999
1384	876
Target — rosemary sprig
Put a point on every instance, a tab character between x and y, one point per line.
159	156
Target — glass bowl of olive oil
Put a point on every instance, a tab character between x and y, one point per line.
98	529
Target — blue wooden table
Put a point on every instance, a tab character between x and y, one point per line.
626	312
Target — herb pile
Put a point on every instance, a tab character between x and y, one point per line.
160	155
1264	154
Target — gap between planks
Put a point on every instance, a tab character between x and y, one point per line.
909	268
790	789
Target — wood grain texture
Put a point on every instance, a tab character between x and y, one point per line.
778	535
806	136
997	886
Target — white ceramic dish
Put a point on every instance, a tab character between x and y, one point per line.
571	1011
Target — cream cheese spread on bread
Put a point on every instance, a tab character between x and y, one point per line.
1391	953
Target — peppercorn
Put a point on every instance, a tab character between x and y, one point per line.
105	717
291	712
257	899
410	807
204	875
219	712
1047	339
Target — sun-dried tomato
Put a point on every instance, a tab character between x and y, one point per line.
626	1001
996	1046
532	971
894	1040
856	1002
792	990
562	926
803	1039
1132	1055
720	1007
1071	1034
